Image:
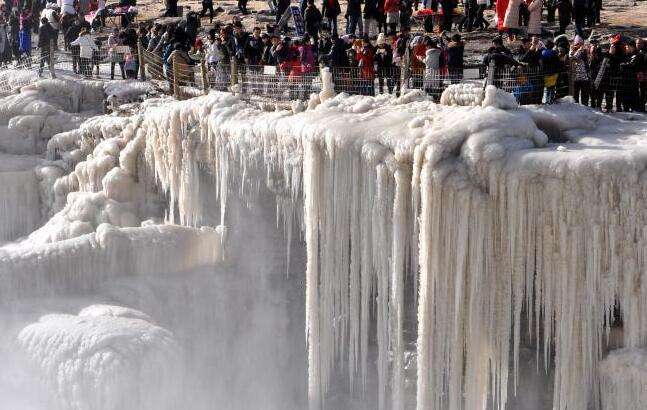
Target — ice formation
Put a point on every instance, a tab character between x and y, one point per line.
381	178
623	379
105	358
461	217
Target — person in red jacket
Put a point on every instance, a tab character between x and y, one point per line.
364	55
501	8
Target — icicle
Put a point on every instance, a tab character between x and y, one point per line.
396	302
312	200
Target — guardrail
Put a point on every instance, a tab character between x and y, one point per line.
185	77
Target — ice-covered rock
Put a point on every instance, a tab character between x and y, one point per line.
623	379
105	358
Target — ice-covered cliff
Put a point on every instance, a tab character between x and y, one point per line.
439	238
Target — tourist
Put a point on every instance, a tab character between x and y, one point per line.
549	63
86	51
330	10
581	76
511	20
383	58
207	5
534	19
353	16
115	57
46	35
312	19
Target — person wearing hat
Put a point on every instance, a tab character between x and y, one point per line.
384	61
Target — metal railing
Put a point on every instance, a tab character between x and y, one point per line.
184	77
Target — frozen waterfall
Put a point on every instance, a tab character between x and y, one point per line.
442	242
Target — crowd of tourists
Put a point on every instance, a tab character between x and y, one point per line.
377	51
536	65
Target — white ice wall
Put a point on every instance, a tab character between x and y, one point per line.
496	224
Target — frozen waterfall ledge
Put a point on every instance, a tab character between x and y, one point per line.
84	262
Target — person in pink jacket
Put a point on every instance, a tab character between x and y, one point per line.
534	22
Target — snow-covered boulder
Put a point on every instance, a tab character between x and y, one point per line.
623	379
105	358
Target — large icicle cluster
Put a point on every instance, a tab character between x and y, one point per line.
506	234
105	358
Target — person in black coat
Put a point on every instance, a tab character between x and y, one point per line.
353	14
14	34
384	61
565	10
254	47
312	20
281	8
448	14
331	10
455	50
46	36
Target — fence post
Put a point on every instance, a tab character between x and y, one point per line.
205	78
491	70
140	55
234	71
50	62
176	81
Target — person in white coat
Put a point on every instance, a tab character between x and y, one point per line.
66	7
534	22
511	20
86	49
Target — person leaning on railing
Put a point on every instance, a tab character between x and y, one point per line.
180	63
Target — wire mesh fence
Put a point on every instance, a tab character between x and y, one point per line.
435	81
184	76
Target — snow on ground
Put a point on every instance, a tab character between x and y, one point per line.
105	358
